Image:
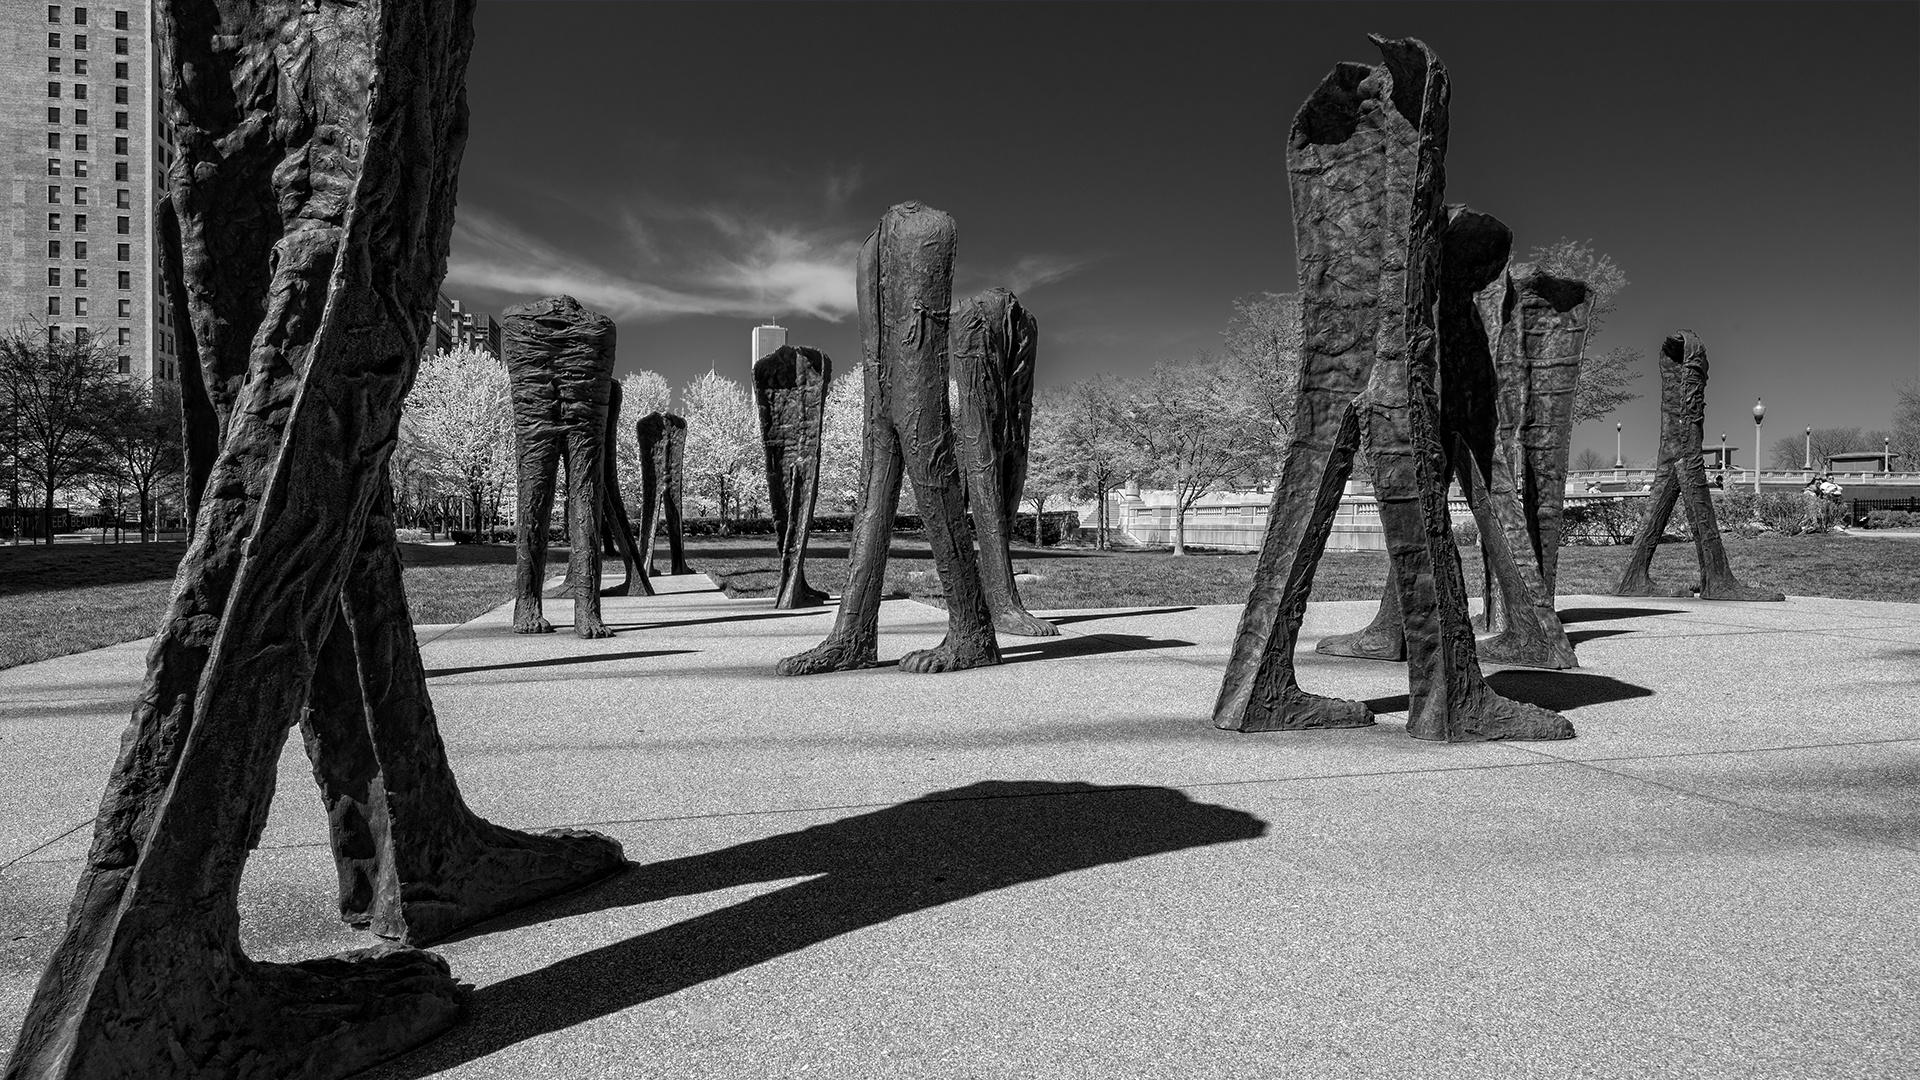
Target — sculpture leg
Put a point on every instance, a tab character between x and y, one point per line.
1716	575
792	489
539	464
415	862
1450	700
670	501
854	640
1385	638
584	496
615	525
1637	579
650	495
1259	692
1526	629
926	442
993	490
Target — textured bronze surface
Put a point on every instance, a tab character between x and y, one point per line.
790	389
616	527
318	151
992	343
663	454
559	359
1679	475
1366	160
905	291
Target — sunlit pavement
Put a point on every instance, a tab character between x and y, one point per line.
1058	867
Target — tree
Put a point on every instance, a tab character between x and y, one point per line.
841	439
1603	379
1906	427
459	419
54	389
1589	459
641	393
1789	451
1262	351
1083	432
140	443
1188	428
725	466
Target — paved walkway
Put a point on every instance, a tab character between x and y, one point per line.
1058	868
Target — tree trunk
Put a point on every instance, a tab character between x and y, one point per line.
46	514
1179	526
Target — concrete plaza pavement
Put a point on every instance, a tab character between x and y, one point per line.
1059	868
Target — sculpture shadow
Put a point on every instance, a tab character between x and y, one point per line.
559	661
864	871
1578	636
1607	614
665	624
1068	620
1073	647
1556	690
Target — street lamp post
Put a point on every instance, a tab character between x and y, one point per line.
1723	459
1759	411
1618	461
1809	464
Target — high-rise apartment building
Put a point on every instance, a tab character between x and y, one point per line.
765	339
83	160
455	325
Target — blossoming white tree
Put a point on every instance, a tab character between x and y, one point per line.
457	424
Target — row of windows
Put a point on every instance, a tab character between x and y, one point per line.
79	277
80	43
80	92
123	199
120	171
120	119
81	144
80	17
80	68
123	254
80	309
80	224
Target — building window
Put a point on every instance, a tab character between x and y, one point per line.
126	309
79	91
53	193
120	69
126	336
79	68
53	65
82	335
53	222
126	253
119	95
79	116
122	200
79	41
120	147
79	196
119	20
53	89
125	225
126	363
79	249
53	140
79	279
120	46
120	120
126	279
53	13
79	223
53	41
53	277
79	167
120	169
53	249
53	166
53	114
79	142
53	306
79	16
80	307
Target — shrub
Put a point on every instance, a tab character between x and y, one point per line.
1892	519
1466	534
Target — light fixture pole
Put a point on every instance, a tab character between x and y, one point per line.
1618	461
1759	412
1886	454
1723	459
1809	465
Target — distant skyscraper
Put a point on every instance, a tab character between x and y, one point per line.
83	159
766	339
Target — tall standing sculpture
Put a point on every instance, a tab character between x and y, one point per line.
615	526
993	340
1482	411
790	388
1542	339
905	289
663	448
318	151
1366	158
560	363
1681	475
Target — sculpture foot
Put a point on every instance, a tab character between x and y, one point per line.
1515	650
682	569
1368	644
948	657
590	627
1023	624
224	1015
802	598
1647	587
1298	710
830	655
493	871
531	625
1493	718
1733	590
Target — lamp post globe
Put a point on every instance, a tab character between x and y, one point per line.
1759	412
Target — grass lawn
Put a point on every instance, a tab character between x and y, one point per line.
73	597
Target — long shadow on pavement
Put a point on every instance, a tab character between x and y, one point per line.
1069	647
1604	614
799	613
559	661
871	868
1556	690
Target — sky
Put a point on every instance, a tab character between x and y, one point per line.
692	169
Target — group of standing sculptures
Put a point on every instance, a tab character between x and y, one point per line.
301	278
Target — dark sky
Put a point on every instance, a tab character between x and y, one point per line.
691	168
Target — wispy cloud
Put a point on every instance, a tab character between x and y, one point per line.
716	262
1030	272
